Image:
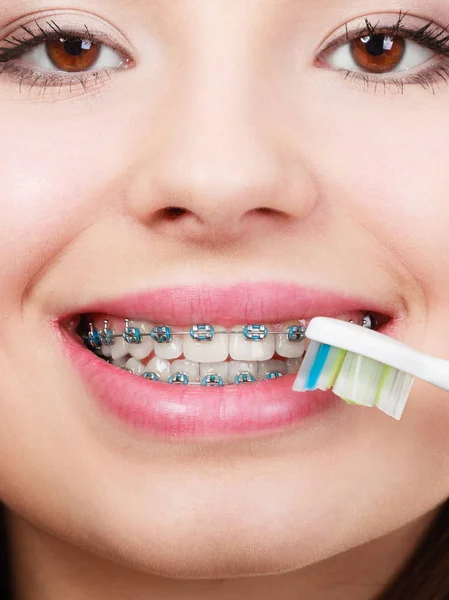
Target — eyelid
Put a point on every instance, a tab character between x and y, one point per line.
33	44
73	22
347	39
107	58
385	22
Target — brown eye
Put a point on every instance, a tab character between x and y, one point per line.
72	55
378	53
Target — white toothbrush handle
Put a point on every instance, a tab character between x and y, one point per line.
428	368
380	347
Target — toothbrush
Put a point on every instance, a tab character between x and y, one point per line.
365	367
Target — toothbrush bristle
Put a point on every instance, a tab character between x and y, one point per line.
319	367
331	368
302	379
358	379
394	391
354	378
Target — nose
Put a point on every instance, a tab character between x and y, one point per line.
217	165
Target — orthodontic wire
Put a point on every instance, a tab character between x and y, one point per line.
135	335
172	332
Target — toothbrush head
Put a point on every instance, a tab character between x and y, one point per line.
356	378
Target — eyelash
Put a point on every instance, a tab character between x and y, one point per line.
25	74
430	36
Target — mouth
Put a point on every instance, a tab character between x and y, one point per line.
203	354
206	361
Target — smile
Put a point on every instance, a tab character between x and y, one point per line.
206	355
206	361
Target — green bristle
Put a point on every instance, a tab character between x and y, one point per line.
359	379
350	401
356	379
393	392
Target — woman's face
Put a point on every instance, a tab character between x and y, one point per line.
292	167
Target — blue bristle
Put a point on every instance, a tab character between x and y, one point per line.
318	364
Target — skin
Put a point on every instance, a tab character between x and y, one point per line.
225	112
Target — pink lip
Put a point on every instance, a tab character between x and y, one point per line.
182	411
268	302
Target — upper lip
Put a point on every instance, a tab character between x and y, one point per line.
263	302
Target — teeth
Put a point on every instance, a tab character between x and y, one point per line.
170	350
118	350
120	362
141	350
159	366
235	368
146	345
270	366
186	366
135	366
204	352
286	348
243	349
293	364
220	368
215	350
107	350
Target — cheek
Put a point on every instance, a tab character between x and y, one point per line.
53	181
395	182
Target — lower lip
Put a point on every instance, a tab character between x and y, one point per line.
161	409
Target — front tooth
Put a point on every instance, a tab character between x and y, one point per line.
159	366
142	350
146	346
186	366
243	349
293	364
286	348
237	367
135	366
216	350
169	351
221	368
270	366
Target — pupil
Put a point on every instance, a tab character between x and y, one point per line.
375	45
73	47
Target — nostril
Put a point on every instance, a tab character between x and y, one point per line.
169	213
174	212
265	211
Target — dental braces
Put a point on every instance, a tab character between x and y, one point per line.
162	334
210	380
202	333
